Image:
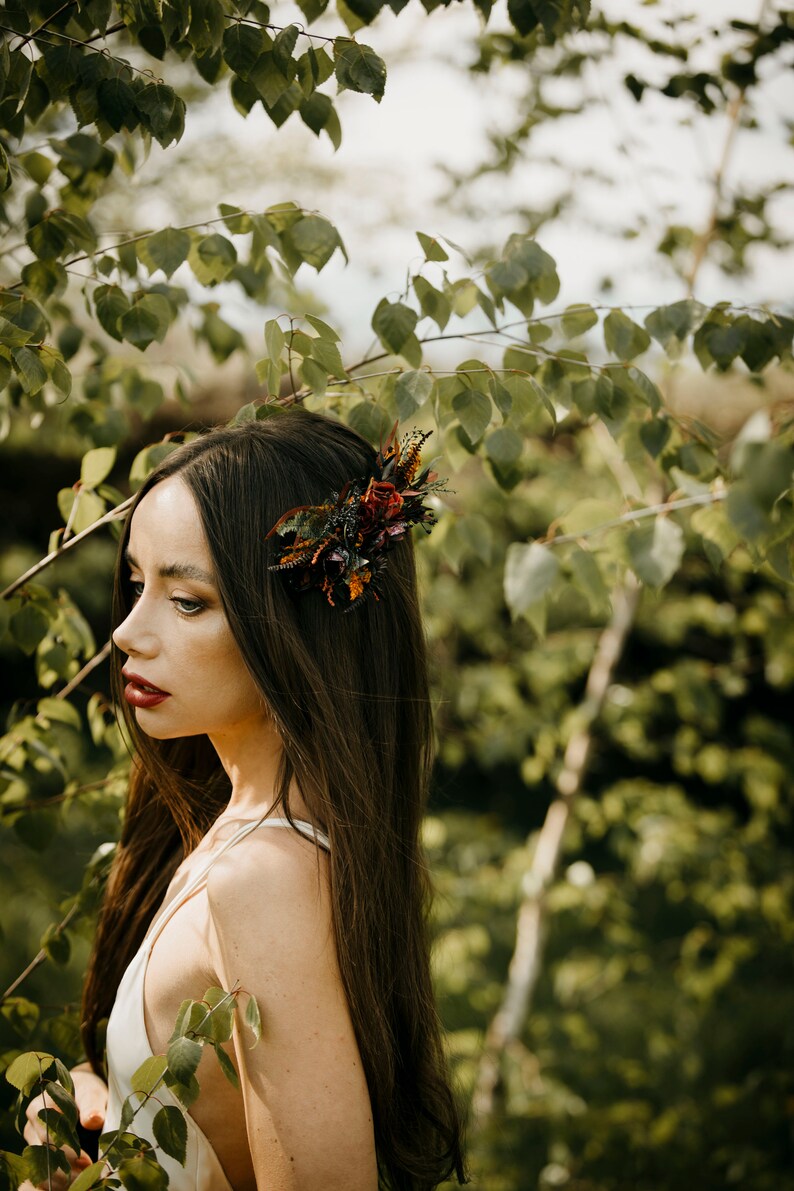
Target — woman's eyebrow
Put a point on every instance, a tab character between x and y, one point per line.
177	570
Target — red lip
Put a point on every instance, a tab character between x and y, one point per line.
141	693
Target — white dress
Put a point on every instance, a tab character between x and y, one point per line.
128	1043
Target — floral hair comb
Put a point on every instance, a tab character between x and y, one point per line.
340	546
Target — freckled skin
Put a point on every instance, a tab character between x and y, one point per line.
264	919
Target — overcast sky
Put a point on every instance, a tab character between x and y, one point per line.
391	175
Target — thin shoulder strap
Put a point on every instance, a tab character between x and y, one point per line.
307	830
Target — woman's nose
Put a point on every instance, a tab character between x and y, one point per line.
134	635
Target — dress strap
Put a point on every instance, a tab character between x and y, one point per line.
307	830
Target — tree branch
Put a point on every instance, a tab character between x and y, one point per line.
34	33
112	515
506	1026
39	958
668	506
90	665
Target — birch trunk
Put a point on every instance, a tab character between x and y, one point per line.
525	965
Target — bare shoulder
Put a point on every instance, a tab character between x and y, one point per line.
274	885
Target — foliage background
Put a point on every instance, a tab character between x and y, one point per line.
658	1047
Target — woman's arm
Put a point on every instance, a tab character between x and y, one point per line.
307	1107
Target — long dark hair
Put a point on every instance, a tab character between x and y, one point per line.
348	692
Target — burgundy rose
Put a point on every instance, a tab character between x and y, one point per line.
380	503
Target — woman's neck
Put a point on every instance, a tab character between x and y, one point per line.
251	756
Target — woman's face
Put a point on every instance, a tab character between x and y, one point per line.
177	637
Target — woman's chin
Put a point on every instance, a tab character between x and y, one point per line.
158	729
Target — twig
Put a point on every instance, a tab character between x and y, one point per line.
707	235
111	515
669	506
56	800
505	1028
30	36
38	959
90	665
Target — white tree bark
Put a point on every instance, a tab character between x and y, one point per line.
525	965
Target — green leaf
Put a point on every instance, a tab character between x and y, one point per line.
29	368
315	240
544	284
394	323
327	354
474	413
207	25
370	420
523	15
431	248
501	395
530	572
316	111
670	325
42	1163
37	166
47	239
60	1131
578	319
88	1178
25	1070
110	304
192	1012
97	465
358	68
21	1014
242	46
719	342
147	1077
56	944
623	337
323	329
315	377
11	335
142	1173
503	447
655	551
166	250
162	112
713	525
283	46
222	338
218	1022
312	9
139	325
411	392
237	221
118	102
170	1132
28	626
227	1066
212	258
274	340
655	435
587	576
768	468
434	303
253	1019
745	513
44	278
183	1059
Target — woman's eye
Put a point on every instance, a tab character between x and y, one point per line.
186	607
137	588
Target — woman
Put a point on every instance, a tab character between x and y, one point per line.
269	658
